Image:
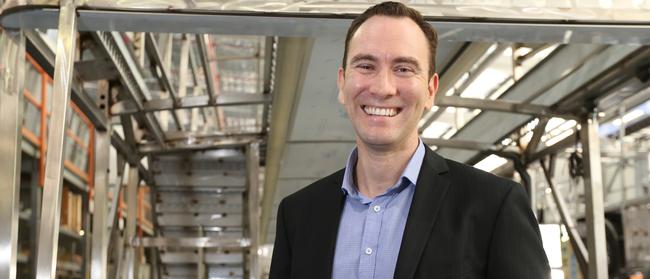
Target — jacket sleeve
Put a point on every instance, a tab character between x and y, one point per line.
281	260
516	249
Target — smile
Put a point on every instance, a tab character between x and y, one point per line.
375	111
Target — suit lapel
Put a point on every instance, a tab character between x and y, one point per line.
325	226
429	195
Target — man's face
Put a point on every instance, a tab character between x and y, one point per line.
385	88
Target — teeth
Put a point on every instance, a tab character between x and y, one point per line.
380	111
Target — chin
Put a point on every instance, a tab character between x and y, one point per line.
378	140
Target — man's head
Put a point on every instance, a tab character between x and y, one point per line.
387	79
396	10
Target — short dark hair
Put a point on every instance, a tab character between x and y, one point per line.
395	9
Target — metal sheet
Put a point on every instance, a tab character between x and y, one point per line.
12	72
51	206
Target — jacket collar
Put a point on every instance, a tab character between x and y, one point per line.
429	194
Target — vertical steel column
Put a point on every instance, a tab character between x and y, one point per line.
51	211
594	210
201	264
131	222
12	72
252	170
99	254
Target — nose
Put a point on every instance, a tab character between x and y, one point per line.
383	84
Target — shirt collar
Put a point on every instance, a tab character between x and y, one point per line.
410	173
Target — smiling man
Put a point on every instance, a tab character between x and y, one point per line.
399	210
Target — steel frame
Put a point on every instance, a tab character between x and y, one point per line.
50	214
189	102
574	236
594	211
253	191
99	253
12	55
163	75
130	76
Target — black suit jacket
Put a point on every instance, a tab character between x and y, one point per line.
463	223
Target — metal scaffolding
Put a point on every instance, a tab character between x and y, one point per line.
213	218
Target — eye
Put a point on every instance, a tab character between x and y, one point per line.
404	70
364	66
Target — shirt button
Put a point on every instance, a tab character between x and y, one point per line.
376	208
368	251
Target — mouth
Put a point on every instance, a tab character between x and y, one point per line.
377	111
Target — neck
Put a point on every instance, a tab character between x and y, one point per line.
380	168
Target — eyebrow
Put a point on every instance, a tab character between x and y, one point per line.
361	57
401	59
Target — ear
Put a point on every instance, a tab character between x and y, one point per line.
432	89
340	82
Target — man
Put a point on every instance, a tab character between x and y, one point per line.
399	210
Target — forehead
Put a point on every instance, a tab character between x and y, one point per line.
389	37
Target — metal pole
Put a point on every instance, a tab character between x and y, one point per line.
201	264
99	254
12	54
252	169
131	222
574	235
51	211
594	210
622	161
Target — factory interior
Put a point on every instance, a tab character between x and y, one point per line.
156	139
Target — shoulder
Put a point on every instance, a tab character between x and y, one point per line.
479	185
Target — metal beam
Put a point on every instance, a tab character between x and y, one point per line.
51	208
41	52
99	252
594	209
294	53
12	55
199	101
185	146
207	71
201	271
464	144
499	105
252	169
192	242
131	222
112	44
574	236
462	65
163	74
538	132
132	156
309	24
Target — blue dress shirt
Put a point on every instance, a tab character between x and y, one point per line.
370	230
